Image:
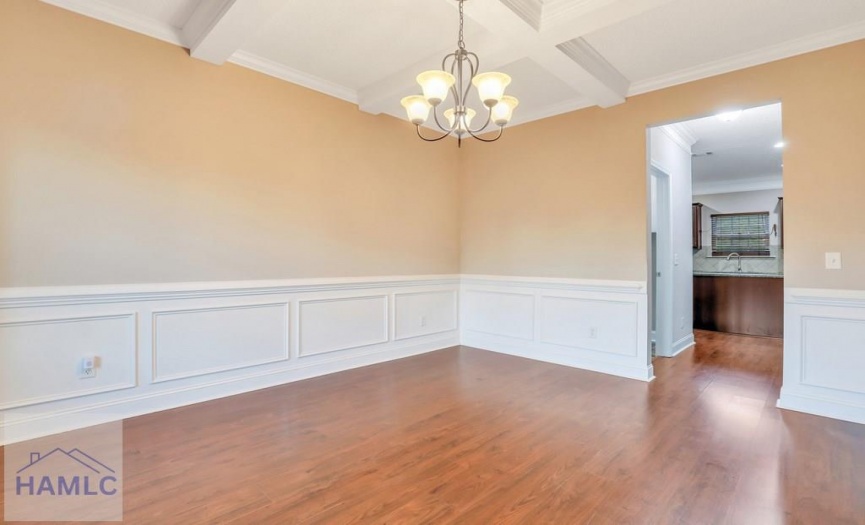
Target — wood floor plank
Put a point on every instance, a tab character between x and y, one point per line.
464	436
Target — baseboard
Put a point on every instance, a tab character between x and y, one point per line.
682	344
831	408
490	344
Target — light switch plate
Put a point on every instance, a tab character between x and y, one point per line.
833	260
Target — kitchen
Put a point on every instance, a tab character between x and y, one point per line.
738	223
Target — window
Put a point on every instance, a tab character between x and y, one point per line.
742	233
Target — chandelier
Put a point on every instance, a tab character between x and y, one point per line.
458	73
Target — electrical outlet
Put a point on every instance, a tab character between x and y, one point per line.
423	320
87	367
593	332
833	261
682	322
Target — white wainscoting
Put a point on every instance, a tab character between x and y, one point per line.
824	353
167	345
595	325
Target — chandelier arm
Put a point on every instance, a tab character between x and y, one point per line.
472	70
432	140
487	123
501	130
439	124
445	61
455	89
477	63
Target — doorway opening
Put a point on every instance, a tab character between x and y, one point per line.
716	219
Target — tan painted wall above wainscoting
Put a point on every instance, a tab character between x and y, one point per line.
566	196
123	160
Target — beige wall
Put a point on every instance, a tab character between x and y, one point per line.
123	160
566	196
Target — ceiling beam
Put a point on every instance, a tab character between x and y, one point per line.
586	71
218	28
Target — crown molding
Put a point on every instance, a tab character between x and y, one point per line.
774	182
680	135
277	70
120	17
788	49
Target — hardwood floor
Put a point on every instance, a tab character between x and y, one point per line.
467	436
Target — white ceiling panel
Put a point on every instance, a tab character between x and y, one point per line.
354	43
740	150
688	33
174	13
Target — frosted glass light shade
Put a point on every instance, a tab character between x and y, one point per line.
504	110
464	122
435	85
417	109
491	87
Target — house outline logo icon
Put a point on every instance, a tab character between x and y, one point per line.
82	475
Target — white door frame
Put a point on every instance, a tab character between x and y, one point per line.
663	296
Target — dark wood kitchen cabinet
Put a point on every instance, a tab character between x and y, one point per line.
697	225
781	218
739	305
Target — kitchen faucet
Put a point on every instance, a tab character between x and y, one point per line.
738	260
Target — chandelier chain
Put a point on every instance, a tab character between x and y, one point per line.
461	43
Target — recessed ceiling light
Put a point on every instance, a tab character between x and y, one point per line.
729	116
780	144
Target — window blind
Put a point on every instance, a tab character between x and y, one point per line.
742	233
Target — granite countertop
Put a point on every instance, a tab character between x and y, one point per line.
739	274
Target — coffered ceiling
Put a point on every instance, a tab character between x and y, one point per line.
562	54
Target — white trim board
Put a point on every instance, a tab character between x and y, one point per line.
681	345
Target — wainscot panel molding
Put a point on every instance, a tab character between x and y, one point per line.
330	325
199	341
824	354
161	346
594	325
